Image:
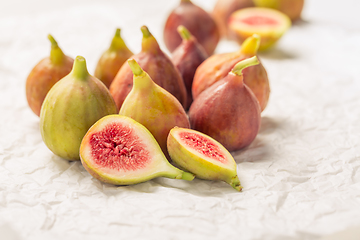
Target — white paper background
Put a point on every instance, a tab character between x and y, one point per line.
301	175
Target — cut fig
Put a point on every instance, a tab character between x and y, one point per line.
203	156
118	150
269	24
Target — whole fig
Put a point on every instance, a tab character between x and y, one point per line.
156	64
187	57
112	59
153	106
45	74
72	105
218	66
228	111
199	22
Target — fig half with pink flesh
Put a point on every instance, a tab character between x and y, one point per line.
153	106
118	150
228	111
269	23
203	156
218	66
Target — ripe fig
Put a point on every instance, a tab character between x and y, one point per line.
153	106
199	22
121	151
186	58
72	105
228	110
222	11
203	156
112	59
45	74
218	66
156	64
269	23
292	8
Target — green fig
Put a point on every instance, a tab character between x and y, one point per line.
203	156
118	150
153	106
112	59
72	105
45	74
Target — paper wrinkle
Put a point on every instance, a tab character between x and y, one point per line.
301	175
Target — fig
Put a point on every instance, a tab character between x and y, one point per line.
203	156
228	111
269	23
45	74
71	106
112	59
153	106
199	22
187	57
157	64
118	150
292	8
222	11
218	66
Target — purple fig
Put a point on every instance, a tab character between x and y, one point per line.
72	105
112	59
197	21
186	58
228	111
156	64
153	106
45	74
118	150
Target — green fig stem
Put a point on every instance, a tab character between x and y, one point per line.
145	31
251	45
235	183
56	54
135	67
237	70
117	42
141	79
149	43
187	176
79	70
184	32
185	1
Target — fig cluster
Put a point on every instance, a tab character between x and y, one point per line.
147	115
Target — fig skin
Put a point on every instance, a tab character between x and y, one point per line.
112	59
45	74
157	64
222	11
292	8
199	22
218	66
187	57
153	106
72	105
228	111
219	166
118	150
270	24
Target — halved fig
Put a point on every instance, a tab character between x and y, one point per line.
118	150
269	24
203	156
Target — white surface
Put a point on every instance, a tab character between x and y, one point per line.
301	176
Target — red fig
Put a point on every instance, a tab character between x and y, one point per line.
224	8
156	64
218	66
112	59
197	21
153	106
291	8
228	111
186	58
121	151
45	74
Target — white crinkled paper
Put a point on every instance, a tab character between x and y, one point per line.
301	175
